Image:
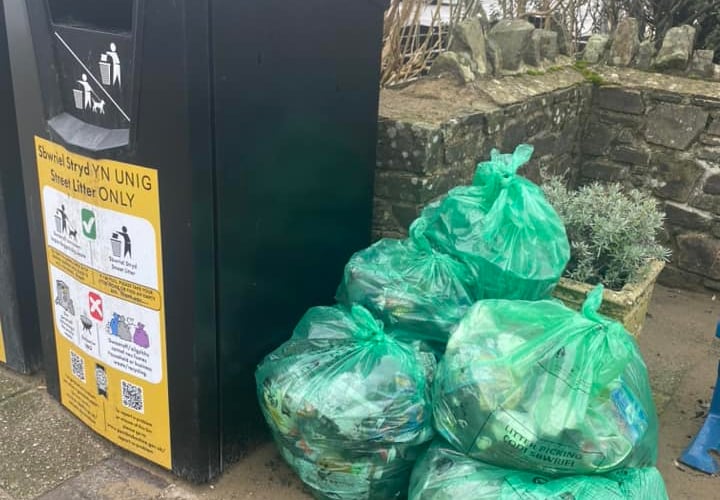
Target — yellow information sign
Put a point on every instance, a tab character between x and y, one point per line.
3	358
102	236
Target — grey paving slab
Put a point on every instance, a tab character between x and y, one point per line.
112	479
11	384
42	445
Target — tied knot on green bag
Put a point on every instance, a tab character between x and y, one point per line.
369	328
591	310
502	168
503	191
591	306
619	352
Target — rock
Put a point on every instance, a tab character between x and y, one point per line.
701	64
452	63
405	214
494	57
595	49
462	139
674	126
625	44
700	254
548	45
564	39
541	47
677	47
533	51
512	38
707	202
710	140
625	154
673	277
708	102
409	147
674	178
597	138
545	144
621	100
714	128
469	39
711	155
514	132
626	136
536	123
712	184
686	218
603	171
646	52
407	188
627	120
665	96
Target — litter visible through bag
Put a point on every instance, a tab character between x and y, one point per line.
504	229
348	406
418	292
445	474
539	387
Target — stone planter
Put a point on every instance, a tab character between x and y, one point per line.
628	306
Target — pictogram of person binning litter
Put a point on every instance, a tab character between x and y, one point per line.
121	244
86	98
110	67
63	224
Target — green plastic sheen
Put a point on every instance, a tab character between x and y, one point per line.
504	229
348	406
418	292
540	387
444	474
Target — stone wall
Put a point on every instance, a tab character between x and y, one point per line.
677	54
433	134
662	134
657	132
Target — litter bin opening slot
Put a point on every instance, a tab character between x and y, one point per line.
107	15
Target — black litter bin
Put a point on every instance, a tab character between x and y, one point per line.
200	172
19	331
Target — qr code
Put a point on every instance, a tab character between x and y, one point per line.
77	364
132	397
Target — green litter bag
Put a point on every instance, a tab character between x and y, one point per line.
504	229
539	387
418	292
445	474
348	407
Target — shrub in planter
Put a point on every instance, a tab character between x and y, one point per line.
613	240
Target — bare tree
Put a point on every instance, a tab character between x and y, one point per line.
416	31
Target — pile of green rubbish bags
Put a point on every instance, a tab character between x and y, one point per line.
446	371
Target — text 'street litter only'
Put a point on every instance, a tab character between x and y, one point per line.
102	235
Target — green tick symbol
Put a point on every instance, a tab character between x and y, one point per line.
88	224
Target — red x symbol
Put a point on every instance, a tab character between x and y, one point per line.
96	306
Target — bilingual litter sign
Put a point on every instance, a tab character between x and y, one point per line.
102	235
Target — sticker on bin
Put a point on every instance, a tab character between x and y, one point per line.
95	85
102	232
3	357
